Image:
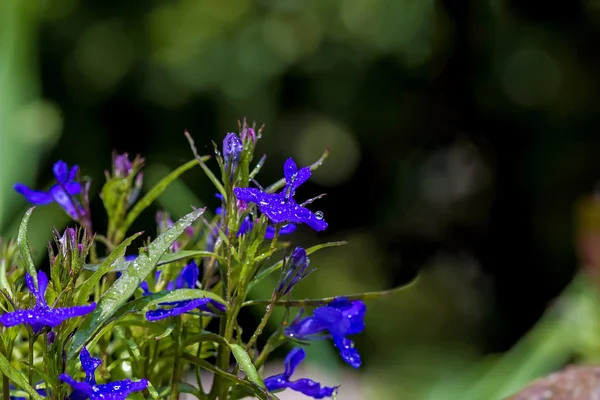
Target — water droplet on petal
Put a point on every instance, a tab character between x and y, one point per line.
319	214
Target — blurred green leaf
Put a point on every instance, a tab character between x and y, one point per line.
18	378
24	246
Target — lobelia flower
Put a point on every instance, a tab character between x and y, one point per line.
42	314
281	207
232	150
305	386
246	226
62	193
296	270
89	389
186	279
340	318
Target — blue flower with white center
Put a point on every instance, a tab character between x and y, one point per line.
61	193
340	318
89	389
305	386
186	279
295	270
281	207
42	314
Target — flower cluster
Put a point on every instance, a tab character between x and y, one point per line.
175	304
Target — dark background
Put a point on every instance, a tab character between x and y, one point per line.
462	133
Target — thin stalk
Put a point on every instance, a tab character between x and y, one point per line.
30	371
176	362
5	387
260	327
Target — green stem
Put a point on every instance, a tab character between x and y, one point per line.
260	327
176	363
30	371
275	340
5	387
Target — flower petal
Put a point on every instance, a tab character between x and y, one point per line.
119	389
73	188
35	197
188	276
347	351
68	204
73	173
78	386
89	365
61	171
58	315
292	360
313	389
42	286
284	230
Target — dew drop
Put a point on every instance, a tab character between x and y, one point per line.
319	214
268	308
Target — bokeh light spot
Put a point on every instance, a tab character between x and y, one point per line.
531	77
104	54
343	159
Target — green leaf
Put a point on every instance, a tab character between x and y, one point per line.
245	363
326	300
24	246
266	272
149	198
128	283
14	375
4	285
88	286
165	259
182	295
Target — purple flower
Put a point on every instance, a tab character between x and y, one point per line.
340	318
118	390
281	207
62	193
305	386
232	150
296	270
42	314
186	279
246	225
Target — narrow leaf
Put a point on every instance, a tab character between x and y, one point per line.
127	284
165	259
268	271
182	295
24	246
326	300
14	375
88	286
149	198
245	363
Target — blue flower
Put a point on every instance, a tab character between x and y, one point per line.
246	225
340	318
62	193
296	270
42	314
305	386
232	150
281	207
186	279
118	390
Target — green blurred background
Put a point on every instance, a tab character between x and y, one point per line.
462	133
